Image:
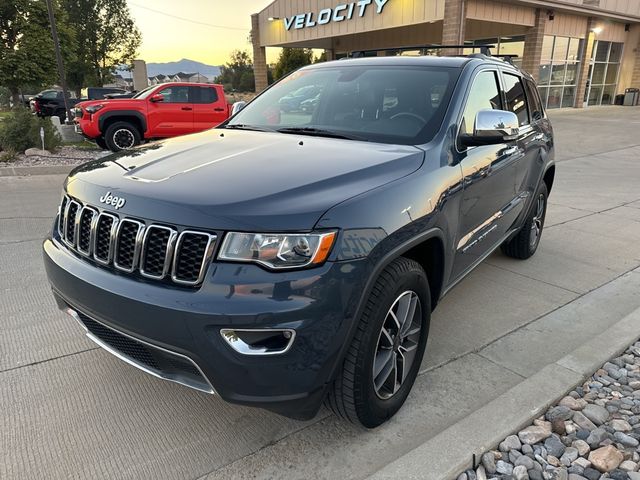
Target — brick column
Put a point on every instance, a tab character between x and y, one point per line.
259	56
635	76
585	58
453	23
532	55
330	54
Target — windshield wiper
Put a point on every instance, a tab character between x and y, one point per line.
320	132
244	126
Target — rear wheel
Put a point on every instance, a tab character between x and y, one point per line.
121	136
526	242
384	357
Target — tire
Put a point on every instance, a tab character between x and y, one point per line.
101	143
121	136
358	394
526	241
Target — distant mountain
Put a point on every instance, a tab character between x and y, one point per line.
185	65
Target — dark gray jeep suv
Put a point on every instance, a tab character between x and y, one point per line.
290	258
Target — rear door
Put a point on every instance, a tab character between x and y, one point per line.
173	116
209	108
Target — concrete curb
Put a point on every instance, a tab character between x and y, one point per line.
36	170
451	451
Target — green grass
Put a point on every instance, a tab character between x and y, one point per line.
4	113
83	144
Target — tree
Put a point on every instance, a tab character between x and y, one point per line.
106	39
26	49
291	59
237	74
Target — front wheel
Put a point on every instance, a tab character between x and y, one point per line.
121	136
385	354
526	241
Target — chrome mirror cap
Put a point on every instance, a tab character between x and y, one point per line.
237	107
500	125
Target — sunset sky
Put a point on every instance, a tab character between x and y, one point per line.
175	29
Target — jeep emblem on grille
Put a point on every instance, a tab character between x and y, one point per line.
116	202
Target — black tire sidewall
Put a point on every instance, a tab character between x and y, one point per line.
101	143
542	190
375	410
111	129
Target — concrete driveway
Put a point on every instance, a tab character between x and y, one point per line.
71	410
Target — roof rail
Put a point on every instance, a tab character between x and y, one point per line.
484	49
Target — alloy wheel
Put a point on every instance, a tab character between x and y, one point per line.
123	139
397	344
536	223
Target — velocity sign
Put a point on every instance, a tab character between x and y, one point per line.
344	11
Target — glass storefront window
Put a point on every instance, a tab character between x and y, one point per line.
598	73
559	70
594	95
616	53
608	94
602	51
603	73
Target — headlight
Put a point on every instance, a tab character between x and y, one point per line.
94	108
277	251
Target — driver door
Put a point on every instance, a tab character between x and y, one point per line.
172	116
489	173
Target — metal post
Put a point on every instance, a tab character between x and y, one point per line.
56	47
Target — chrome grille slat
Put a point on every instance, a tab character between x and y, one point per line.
157	252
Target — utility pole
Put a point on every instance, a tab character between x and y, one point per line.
56	46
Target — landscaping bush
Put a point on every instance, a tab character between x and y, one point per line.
21	130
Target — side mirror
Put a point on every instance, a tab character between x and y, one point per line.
156	97
237	107
492	127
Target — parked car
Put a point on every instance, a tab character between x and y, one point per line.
111	96
160	111
97	93
50	103
291	102
283	266
309	105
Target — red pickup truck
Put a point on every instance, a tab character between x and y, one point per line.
159	111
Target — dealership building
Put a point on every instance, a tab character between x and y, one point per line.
581	52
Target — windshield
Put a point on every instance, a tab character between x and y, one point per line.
399	104
144	93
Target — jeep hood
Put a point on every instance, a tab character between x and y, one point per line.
244	180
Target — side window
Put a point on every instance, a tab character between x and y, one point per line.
484	95
516	100
535	105
175	94
203	95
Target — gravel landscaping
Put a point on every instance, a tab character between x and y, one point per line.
68	155
592	433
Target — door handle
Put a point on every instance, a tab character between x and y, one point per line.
186	108
218	109
510	150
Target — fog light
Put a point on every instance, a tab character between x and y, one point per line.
259	341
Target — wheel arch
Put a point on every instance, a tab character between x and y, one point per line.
549	177
130	116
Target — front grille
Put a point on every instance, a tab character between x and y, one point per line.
154	251
159	361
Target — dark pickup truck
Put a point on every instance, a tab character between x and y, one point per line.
290	258
50	103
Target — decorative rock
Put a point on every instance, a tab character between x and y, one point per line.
534	434
633	475
535	475
572	403
554	446
526	462
620	425
583	422
557	426
582	447
527	449
569	456
489	462
574	476
559	413
591	474
520	473
480	473
463	476
505	468
510	443
626	440
628	466
596	437
36	152
553	460
582	462
597	414
606	459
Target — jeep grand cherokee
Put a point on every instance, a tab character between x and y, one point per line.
284	259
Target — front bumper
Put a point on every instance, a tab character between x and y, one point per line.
318	304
